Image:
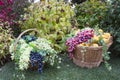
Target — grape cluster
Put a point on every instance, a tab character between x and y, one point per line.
81	37
29	38
36	60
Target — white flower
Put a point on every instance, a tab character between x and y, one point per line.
24	58
73	6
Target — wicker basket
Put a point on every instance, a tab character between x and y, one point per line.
89	57
17	40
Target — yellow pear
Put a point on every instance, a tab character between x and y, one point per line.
95	38
82	44
101	31
107	35
87	44
106	40
95	45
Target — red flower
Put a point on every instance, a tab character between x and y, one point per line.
6	13
10	1
1	3
9	9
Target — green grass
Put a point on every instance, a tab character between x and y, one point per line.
68	71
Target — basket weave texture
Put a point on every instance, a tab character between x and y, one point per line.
89	57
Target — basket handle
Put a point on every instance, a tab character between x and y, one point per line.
28	30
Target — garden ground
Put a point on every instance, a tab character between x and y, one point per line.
68	71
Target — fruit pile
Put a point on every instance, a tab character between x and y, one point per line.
87	37
35	57
96	40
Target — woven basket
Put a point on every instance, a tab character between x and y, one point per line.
89	57
17	40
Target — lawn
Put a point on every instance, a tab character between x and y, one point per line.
68	71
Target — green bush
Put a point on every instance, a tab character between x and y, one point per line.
52	20
111	23
5	39
18	9
90	13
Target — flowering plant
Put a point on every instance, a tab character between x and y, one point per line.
32	51
6	14
5	39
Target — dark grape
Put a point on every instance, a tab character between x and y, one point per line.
35	57
29	38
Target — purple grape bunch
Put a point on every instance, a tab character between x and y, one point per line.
81	37
36	60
